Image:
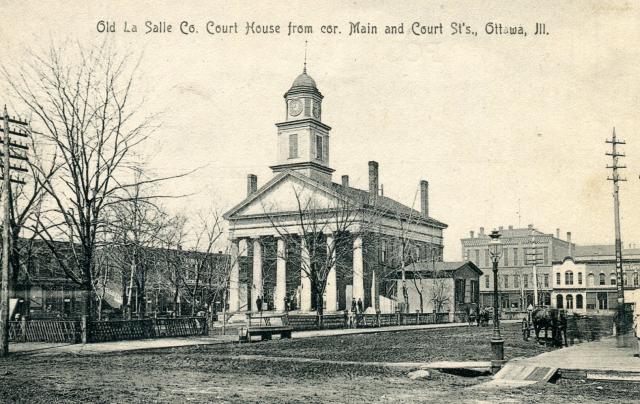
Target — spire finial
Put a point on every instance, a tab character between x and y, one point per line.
304	70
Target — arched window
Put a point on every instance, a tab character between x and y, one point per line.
602	280
635	279
579	301
612	279
559	304
568	278
569	302
591	280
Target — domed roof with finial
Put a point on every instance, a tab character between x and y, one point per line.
304	80
303	84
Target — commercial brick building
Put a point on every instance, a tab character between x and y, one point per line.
522	248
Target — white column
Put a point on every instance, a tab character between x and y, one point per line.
305	281
234	278
281	275
256	288
358	270
331	287
374	294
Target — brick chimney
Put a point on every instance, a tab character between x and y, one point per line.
557	232
373	177
481	232
424	198
471	234
530	227
510	227
252	184
345	180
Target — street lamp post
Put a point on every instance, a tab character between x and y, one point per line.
497	343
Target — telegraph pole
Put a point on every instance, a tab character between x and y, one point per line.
615	178
6	223
533	258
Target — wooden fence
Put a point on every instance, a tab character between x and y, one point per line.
75	331
45	331
102	331
301	322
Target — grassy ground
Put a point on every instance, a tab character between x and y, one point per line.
219	374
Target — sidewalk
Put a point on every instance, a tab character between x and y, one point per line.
591	358
44	348
602	360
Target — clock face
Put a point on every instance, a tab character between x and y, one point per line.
295	107
316	110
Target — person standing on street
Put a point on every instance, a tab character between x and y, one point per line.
636	328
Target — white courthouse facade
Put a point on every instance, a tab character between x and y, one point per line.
267	226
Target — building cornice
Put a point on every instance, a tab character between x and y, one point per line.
302	122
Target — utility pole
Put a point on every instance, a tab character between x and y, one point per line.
533	259
615	178
7	155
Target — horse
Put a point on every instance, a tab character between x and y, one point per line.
553	319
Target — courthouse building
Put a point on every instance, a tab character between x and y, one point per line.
269	224
521	249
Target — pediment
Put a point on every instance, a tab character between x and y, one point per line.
287	193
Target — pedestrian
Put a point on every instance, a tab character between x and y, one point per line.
360	307
525	329
353	305
259	303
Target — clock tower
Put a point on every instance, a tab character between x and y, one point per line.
303	140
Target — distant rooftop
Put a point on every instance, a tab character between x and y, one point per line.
604	250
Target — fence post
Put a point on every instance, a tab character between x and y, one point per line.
398	318
84	329
23	325
378	318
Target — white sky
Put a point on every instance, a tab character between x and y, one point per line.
490	121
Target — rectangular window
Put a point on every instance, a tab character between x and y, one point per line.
486	281
579	278
506	281
515	257
546	280
477	261
293	146
545	255
505	255
557	278
516	281
526	280
325	149
487	258
384	251
318	147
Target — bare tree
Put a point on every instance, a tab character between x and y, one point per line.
135	225
305	230
209	232
81	99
